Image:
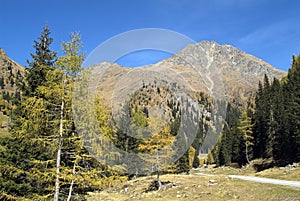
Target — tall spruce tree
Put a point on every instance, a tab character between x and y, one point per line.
27	162
262	121
279	132
228	147
292	91
42	62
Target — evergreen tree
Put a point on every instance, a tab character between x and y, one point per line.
223	154
182	164
42	62
28	161
2	84
267	135
228	147
279	129
262	121
292	91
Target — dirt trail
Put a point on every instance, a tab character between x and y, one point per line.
267	180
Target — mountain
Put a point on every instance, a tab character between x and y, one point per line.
10	73
238	71
207	66
209	74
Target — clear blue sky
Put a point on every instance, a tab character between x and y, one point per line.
268	29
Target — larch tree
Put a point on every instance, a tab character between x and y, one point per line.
68	67
159	142
245	127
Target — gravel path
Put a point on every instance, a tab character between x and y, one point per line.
267	180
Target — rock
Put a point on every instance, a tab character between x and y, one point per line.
212	181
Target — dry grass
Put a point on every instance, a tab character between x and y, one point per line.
197	187
286	173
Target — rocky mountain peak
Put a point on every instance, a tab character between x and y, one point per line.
220	65
203	67
2	52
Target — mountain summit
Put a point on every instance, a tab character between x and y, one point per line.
207	66
226	65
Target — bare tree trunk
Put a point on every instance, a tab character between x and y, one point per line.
158	181
157	168
247	157
56	194
72	183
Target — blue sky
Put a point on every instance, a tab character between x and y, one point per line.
268	29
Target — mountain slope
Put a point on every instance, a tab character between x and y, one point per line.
221	73
226	65
206	66
10	73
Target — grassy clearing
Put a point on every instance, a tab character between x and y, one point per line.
197	187
285	173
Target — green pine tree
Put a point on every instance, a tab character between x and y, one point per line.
279	129
42	62
292	91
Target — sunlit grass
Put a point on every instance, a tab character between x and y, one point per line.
198	187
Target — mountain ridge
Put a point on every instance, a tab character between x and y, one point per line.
205	67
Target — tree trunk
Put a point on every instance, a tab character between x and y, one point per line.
56	194
158	181
247	157
157	167
72	183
